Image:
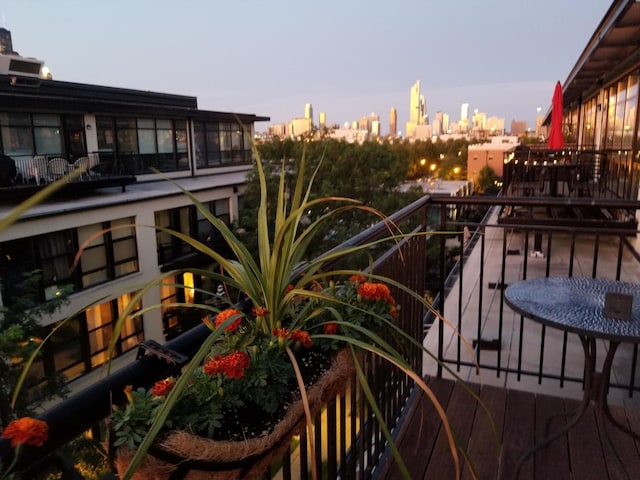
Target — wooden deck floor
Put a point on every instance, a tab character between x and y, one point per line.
520	420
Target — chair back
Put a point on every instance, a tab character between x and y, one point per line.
58	167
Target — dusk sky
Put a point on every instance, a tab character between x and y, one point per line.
347	58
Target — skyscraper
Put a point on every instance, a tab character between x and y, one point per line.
322	120
5	41
464	117
417	110
393	122
308	113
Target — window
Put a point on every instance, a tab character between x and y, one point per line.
144	144
81	344
25	134
188	220
221	143
109	252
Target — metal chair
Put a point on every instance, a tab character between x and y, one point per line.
36	168
83	165
58	167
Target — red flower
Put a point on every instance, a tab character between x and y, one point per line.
213	365
235	363
376	291
232	365
225	315
260	312
303	337
280	332
288	288
330	328
357	278
27	430
162	387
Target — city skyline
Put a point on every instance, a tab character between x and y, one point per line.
499	56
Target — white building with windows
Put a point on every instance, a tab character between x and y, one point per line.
122	145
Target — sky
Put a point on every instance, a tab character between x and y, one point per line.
348	58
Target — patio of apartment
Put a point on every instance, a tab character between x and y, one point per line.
527	372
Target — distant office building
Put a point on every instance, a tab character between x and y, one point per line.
495	126
464	117
279	130
299	126
438	128
479	120
375	128
417	110
445	123
308	112
489	154
6	46
373	124
518	127
322	120
363	123
393	122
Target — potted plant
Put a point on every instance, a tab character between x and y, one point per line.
296	340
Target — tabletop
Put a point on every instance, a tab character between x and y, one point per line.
576	304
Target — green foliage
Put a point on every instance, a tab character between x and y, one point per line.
21	334
370	173
485	183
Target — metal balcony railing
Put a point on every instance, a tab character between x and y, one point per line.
474	258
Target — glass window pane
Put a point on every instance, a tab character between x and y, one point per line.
127	141
49	120
146	123
163	124
127	123
93	259
94	232
165	141
48	140
147	141
15	118
17	141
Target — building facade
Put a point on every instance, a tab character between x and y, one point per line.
127	154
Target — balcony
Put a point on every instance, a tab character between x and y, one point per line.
22	176
525	371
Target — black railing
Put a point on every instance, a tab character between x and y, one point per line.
507	343
491	255
351	424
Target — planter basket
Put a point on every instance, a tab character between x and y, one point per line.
182	455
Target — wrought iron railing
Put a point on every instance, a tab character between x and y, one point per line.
491	254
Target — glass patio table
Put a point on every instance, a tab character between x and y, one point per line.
577	305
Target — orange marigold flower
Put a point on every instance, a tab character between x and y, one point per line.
225	315
260	312
27	430
235	364
330	328
162	387
288	288
394	312
280	332
303	337
357	278
213	366
376	291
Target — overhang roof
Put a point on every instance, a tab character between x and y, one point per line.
71	97
613	48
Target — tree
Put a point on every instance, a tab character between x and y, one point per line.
486	181
371	173
20	334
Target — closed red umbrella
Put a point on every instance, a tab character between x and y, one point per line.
556	140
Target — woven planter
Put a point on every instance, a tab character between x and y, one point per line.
182	455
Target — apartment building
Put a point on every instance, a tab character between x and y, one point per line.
126	155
